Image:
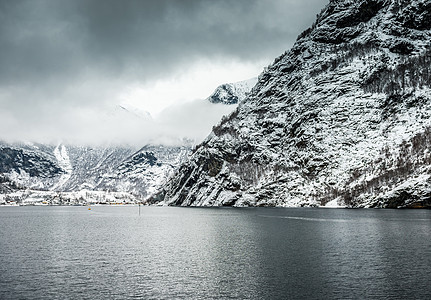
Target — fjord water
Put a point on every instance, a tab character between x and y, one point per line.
228	253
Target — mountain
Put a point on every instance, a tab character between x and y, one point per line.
141	173
20	166
232	93
74	168
68	168
342	119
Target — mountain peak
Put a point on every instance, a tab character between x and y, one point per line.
232	93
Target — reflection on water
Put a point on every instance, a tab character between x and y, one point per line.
194	253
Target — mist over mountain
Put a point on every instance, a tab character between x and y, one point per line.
341	119
136	172
126	126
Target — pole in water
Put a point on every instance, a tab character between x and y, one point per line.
139	204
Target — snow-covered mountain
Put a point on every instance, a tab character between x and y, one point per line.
73	168
343	118
232	93
25	164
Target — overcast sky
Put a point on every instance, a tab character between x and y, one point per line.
65	66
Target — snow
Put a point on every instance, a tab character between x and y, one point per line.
83	197
60	153
334	204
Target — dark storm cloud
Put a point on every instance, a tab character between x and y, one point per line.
59	55
41	40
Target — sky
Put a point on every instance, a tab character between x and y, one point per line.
69	67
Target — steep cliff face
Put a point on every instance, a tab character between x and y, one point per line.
33	163
343	118
21	168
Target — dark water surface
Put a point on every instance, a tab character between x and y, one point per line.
195	253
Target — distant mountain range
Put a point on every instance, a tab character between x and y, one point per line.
73	168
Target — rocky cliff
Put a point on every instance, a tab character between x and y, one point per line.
343	118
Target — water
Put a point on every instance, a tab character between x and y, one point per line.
193	253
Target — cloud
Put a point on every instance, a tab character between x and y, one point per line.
146	38
192	120
60	58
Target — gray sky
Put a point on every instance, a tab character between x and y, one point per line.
66	64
